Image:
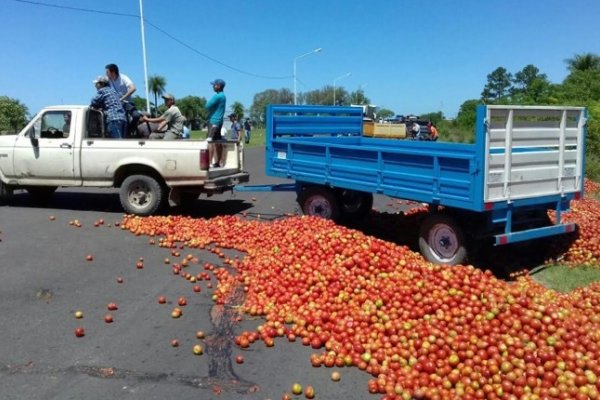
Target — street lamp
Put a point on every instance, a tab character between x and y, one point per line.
347	74
318	50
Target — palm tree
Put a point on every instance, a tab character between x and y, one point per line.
583	62
156	84
238	109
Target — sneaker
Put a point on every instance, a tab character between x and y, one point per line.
216	165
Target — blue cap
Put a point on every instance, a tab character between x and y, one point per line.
219	82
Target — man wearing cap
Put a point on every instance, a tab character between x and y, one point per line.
216	113
170	123
108	101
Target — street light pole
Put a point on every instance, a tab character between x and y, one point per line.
296	59
347	74
144	55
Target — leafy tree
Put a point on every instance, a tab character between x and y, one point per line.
467	114
157	85
581	86
583	62
192	107
434	117
384	113
139	102
258	109
237	108
13	114
498	85
324	96
529	86
358	97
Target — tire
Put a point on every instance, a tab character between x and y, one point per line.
141	195
320	201
6	192
41	194
355	205
441	240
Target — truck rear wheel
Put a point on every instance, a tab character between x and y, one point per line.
441	240
141	195
355	205
319	201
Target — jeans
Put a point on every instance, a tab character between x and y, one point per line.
116	129
247	138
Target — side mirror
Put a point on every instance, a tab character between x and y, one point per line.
34	135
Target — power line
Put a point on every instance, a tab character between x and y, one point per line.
182	43
37	3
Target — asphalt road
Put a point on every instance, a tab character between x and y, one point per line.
45	278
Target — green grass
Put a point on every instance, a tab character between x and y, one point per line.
257	137
564	279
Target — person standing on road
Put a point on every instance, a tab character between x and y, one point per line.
216	113
170	123
236	129
125	88
108	101
247	129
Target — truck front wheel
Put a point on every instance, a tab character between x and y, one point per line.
141	195
319	201
441	240
6	192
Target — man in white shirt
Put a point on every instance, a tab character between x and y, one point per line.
120	82
124	88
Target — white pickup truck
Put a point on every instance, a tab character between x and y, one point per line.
65	146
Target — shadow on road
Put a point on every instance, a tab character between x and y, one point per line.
109	202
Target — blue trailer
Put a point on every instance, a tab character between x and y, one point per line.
525	161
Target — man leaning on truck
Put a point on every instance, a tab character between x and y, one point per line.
108	101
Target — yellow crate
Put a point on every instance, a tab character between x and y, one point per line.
373	129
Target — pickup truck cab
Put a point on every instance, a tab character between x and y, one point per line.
65	146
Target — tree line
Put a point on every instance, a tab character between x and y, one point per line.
527	86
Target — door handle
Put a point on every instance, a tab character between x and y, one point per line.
65	146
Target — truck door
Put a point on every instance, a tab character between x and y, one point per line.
49	158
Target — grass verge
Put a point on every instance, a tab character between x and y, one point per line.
564	279
257	137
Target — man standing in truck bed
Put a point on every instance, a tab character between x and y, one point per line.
216	113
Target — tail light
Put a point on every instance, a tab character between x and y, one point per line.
204	160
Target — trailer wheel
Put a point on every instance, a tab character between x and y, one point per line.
41	194
319	201
441	240
141	195
355	205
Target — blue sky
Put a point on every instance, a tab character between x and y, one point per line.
409	56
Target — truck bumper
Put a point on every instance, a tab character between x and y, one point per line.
529	234
221	183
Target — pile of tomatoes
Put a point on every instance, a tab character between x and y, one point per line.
421	330
584	248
